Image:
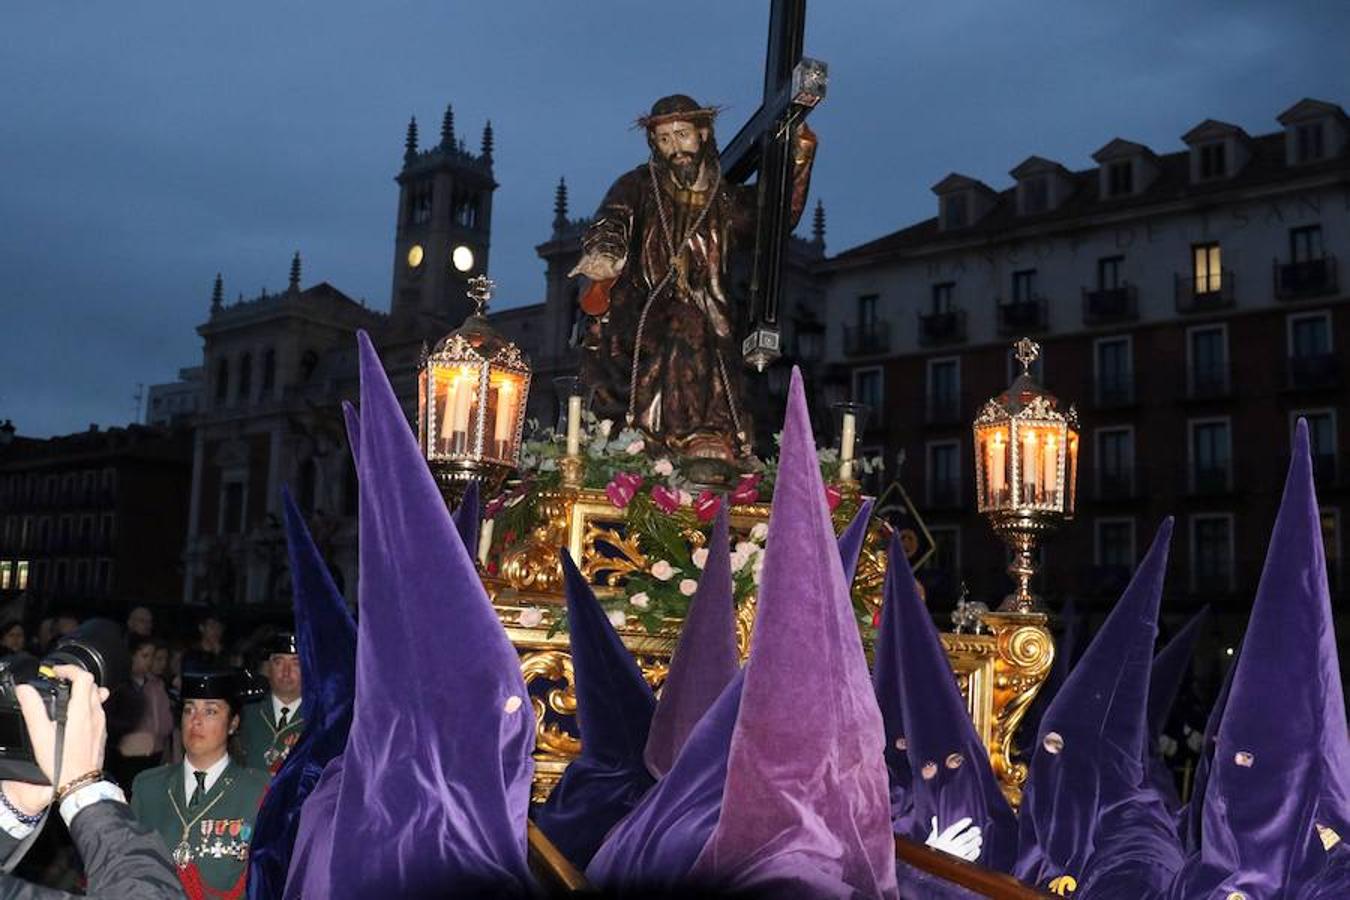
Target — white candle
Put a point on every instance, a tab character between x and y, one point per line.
506	417
846	434
574	425
459	425
1051	464
485	541
1031	464
997	475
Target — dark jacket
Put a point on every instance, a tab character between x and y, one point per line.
122	858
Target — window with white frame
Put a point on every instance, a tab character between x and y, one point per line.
1207	360
868	388
1113	544
1113	365
1212	552
1309	142
944	473
1211	452
944	386
1115	461
1207	268
1213	159
1309	335
1120	178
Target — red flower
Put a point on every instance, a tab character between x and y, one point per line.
876	619
622	488
706	506
832	497
666	498
747	490
492	567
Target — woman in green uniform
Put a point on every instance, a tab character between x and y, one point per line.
204	807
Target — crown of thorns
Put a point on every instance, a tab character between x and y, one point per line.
677	108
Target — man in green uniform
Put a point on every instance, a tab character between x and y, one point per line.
272	727
204	807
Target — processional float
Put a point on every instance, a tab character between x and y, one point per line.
634	525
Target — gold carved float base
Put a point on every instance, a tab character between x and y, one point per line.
999	673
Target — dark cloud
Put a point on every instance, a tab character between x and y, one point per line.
149	145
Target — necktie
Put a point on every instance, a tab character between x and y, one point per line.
201	788
285	716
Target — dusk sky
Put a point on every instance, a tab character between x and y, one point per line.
148	145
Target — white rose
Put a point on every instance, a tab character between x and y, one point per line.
663	467
688	586
635	447
640	600
759	532
701	557
617	618
531	616
746	549
663	570
738	561
605	427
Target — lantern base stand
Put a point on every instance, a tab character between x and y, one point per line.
453	478
1022	532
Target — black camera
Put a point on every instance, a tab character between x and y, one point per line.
96	646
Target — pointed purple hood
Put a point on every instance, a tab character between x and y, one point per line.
888	683
1281	768
705	658
1169	670
805	810
614	713
326	638
851	541
951	774
1088	755
433	787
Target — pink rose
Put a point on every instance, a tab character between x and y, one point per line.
706	506
832	497
747	490
668	500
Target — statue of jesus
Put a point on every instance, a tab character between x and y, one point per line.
665	355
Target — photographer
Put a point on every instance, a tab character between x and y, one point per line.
122	858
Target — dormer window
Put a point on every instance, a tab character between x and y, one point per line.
1310	142
1213	160
954	211
1035	195
1120	178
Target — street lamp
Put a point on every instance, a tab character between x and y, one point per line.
1026	470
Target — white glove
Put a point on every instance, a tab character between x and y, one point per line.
960	839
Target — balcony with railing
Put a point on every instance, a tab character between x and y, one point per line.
867	339
1306	278
939	329
1113	391
1316	372
1107	305
1208	382
1202	294
943	408
1017	317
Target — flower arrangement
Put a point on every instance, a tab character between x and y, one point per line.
661	509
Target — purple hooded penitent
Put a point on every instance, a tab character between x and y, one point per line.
805	810
614	714
466	518
325	635
851	541
1169	670
951	777
430	795
705	658
1279	789
1086	784
888	683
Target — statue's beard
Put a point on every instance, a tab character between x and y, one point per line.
685	168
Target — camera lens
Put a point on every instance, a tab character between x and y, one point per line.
98	648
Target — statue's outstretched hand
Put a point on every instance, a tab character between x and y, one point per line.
960	839
598	267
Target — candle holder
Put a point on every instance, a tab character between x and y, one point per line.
1026	470
472	389
850	420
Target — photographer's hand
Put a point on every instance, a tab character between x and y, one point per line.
86	735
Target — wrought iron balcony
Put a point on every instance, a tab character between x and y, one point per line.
1114	391
1321	371
1307	278
936	329
1023	316
1117	304
943	408
1204	294
1208	382
867	339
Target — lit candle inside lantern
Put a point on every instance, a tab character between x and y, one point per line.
846	435
574	425
1050	477
1030	467
506	417
995	466
485	541
461	396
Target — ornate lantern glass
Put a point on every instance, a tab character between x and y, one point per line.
472	390
1026	468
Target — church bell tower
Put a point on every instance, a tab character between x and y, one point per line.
444	226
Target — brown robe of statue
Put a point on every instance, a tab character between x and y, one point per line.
689	391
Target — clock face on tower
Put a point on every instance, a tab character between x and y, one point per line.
462	258
415	256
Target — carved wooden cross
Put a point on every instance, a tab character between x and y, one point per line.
793	85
